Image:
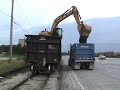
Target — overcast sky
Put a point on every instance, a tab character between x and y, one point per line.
42	12
29	13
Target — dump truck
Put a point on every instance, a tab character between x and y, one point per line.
82	55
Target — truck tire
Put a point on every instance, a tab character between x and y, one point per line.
91	65
76	65
68	62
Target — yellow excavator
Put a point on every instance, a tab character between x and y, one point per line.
84	30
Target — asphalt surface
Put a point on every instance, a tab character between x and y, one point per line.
105	76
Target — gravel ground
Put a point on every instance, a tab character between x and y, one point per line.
9	82
35	83
38	82
105	76
42	82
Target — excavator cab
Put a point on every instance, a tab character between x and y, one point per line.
58	32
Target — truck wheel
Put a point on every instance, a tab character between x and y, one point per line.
91	65
68	62
76	65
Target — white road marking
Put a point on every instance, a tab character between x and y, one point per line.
78	81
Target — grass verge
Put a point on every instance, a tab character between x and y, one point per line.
5	66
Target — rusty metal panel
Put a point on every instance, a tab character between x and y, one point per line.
53	58
35	57
41	48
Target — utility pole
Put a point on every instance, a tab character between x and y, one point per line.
11	29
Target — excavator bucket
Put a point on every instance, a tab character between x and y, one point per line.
84	33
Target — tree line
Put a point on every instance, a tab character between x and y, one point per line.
17	49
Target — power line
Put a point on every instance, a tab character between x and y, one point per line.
25	17
8	16
23	13
5	13
25	31
15	21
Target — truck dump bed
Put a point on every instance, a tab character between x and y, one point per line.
83	51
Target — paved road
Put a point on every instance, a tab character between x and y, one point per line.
105	76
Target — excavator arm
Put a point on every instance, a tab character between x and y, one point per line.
73	10
84	30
